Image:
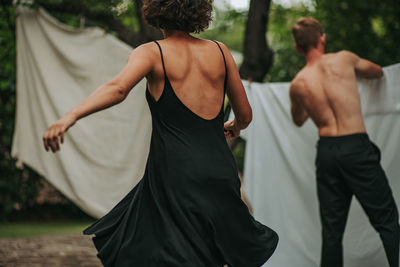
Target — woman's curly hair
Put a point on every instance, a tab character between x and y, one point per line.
192	16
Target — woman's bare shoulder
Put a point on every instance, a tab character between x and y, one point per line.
148	51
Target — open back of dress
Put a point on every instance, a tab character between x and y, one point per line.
186	210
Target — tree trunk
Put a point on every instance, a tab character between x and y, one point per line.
147	32
258	57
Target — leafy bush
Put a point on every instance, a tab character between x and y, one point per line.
18	188
369	28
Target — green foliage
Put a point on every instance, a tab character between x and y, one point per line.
123	10
228	27
128	17
371	29
23	230
238	153
18	188
287	61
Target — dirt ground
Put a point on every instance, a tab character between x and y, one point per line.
49	251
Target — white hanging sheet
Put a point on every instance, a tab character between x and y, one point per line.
104	155
279	172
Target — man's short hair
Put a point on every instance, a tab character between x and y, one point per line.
306	32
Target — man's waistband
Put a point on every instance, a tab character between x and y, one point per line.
344	138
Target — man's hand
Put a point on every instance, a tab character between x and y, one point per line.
54	135
231	130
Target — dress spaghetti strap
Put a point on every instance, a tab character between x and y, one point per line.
186	210
162	59
226	68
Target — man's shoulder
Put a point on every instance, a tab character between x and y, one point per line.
342	55
300	76
339	61
298	82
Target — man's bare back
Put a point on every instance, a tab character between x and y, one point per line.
347	161
326	91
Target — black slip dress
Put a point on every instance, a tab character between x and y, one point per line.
186	211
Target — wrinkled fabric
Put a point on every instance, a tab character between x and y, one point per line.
104	155
57	67
349	166
280	179
187	209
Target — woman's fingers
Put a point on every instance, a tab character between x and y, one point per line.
46	146
56	144
53	138
52	144
57	137
230	133
61	134
46	139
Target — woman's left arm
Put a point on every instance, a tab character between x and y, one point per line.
139	65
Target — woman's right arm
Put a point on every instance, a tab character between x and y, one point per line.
140	64
237	98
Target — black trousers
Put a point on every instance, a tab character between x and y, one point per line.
346	166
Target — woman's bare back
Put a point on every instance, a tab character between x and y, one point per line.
196	71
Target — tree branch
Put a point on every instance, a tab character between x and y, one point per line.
124	33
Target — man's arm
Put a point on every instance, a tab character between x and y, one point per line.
299	113
365	68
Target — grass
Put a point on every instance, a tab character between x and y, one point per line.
29	229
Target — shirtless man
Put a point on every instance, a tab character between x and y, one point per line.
347	162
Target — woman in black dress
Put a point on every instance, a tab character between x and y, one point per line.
186	211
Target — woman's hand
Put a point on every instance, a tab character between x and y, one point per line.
140	64
54	135
231	130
